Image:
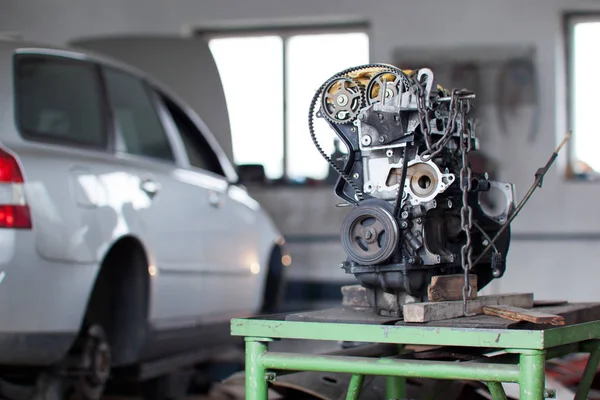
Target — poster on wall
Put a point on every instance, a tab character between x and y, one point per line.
504	80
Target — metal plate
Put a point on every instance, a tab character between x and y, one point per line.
349	315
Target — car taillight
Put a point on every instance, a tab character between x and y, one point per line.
14	211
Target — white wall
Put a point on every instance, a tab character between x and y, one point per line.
546	267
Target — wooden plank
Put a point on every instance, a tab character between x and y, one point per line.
450	287
521	314
574	313
481	321
424	312
548	303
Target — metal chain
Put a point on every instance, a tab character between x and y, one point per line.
424	121
466	220
462	106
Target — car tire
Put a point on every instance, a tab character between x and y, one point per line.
83	373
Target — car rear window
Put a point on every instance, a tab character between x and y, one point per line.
59	100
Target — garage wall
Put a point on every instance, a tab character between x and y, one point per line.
545	257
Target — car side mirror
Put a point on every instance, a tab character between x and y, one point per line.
251	173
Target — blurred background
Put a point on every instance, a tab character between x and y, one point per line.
532	63
250	68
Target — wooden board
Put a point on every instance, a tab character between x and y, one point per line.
548	303
450	287
521	314
424	312
480	321
573	313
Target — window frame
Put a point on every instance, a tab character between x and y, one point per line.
570	19
172	127
285	32
107	144
120	146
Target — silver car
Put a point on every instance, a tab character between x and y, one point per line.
125	236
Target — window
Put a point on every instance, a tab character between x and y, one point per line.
135	116
199	152
59	99
269	79
583	66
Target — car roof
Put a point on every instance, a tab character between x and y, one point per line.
17	46
24	47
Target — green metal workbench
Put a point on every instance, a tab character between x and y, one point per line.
520	350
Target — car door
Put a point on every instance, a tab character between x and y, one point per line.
232	243
150	157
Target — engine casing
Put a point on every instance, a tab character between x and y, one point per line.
409	142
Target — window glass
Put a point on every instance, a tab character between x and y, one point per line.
303	78
251	71
585	63
199	152
136	117
59	99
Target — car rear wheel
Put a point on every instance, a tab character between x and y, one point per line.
82	374
95	361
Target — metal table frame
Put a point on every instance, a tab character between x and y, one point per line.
531	347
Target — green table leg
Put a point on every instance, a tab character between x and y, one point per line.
533	374
395	387
355	386
497	390
256	384
589	373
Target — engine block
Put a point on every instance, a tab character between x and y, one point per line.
416	203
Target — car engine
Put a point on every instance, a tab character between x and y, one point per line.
418	208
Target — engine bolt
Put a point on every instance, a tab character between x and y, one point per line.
449	203
270	376
366	140
380	116
485	242
353	129
404	214
342	100
356	175
382	138
411	260
389	153
403	224
361	116
419	221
